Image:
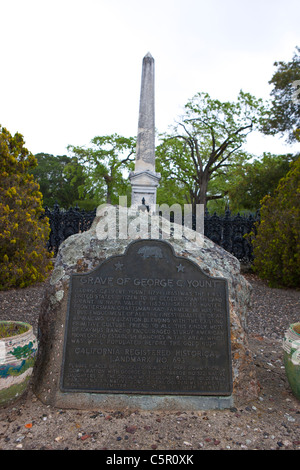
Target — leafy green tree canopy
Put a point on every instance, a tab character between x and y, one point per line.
62	180
106	161
251	181
206	141
284	113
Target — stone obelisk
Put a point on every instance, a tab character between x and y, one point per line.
144	179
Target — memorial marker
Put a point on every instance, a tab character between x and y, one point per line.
144	179
147	322
147	329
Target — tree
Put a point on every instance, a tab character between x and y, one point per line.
23	234
206	142
284	113
277	243
105	161
251	181
170	191
62	180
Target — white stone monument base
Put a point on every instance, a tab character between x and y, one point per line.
144	184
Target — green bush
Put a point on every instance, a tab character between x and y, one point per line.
277	243
23	235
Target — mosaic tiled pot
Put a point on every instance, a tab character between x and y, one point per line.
18	349
291	358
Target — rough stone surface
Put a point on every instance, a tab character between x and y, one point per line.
83	252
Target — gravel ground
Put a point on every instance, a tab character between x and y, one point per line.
270	422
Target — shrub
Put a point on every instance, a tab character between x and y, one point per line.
277	243
23	235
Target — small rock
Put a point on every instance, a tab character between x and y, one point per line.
291	419
131	429
286	443
186	443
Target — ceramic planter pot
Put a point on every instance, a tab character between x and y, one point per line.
291	357
18	349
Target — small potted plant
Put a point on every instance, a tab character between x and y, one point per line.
18	349
291	358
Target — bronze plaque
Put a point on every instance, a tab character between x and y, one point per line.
147	322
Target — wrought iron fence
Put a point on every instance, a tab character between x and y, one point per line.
227	231
63	224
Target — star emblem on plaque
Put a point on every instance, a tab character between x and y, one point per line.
118	266
180	268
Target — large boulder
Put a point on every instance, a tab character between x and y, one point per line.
83	252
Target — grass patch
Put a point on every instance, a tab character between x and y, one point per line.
8	329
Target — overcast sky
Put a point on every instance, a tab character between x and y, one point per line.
71	70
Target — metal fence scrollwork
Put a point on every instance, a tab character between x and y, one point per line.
63	224
230	232
227	231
